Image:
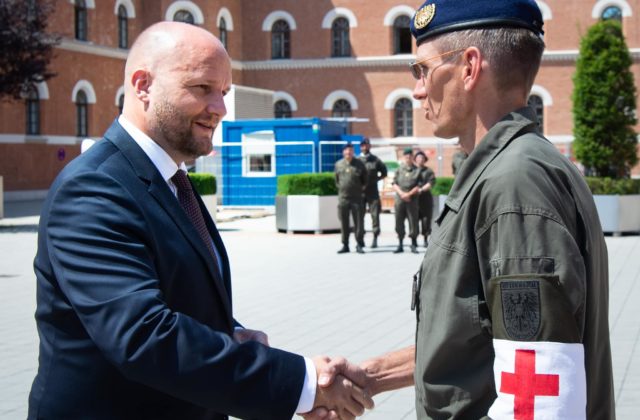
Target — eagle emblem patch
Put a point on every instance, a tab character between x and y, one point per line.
521	308
424	16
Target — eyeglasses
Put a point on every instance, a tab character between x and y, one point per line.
418	71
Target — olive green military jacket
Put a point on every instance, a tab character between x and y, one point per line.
512	299
351	179
376	170
407	178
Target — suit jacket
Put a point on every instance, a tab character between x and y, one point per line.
134	321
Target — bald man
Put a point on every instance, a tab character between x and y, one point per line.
134	305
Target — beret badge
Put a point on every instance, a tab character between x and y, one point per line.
424	16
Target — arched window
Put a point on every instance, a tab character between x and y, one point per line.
82	114
612	12
341	109
120	104
403	118
222	26
340	44
32	102
123	28
184	16
282	109
536	103
81	20
280	39
402	35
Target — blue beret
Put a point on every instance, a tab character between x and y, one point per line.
436	17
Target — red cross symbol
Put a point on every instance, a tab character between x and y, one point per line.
525	384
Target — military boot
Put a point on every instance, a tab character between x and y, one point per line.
399	248
426	241
359	249
344	249
374	244
414	245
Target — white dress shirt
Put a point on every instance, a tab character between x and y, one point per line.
167	168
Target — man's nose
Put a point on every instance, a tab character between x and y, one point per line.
419	90
216	105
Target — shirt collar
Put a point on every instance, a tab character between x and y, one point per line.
160	159
494	142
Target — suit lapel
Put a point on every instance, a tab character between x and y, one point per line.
159	189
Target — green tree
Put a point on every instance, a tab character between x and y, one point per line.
604	103
26	45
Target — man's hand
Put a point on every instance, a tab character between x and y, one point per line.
242	335
336	396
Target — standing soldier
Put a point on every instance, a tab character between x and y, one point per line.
376	170
406	184
351	179
425	199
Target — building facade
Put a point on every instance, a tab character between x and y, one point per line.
322	58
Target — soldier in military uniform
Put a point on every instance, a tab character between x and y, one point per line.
406	184
512	296
351	179
376	170
425	199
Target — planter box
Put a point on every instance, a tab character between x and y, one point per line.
618	213
307	213
211	203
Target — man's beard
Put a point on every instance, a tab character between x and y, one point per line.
175	129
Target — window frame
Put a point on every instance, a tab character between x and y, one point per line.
32	112
80	20
82	114
280	40
340	37
403	118
123	27
282	109
341	107
398	35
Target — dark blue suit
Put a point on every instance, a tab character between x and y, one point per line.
134	322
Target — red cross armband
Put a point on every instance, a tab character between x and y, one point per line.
539	368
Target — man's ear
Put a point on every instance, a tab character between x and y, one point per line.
472	69
141	81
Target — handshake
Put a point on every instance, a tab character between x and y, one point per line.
343	390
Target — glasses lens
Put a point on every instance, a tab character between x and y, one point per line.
416	70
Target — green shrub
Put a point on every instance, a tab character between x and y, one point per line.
604	103
307	184
392	165
204	183
610	186
443	185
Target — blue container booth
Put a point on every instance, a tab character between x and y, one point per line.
255	152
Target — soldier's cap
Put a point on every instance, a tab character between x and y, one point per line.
407	151
420	153
365	141
436	17
347	146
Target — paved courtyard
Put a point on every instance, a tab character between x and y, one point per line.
311	301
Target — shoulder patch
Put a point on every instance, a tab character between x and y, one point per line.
521	308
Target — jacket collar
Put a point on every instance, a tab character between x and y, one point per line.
493	143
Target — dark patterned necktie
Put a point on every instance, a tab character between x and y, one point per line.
189	204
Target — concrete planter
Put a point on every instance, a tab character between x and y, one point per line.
307	213
618	213
211	203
